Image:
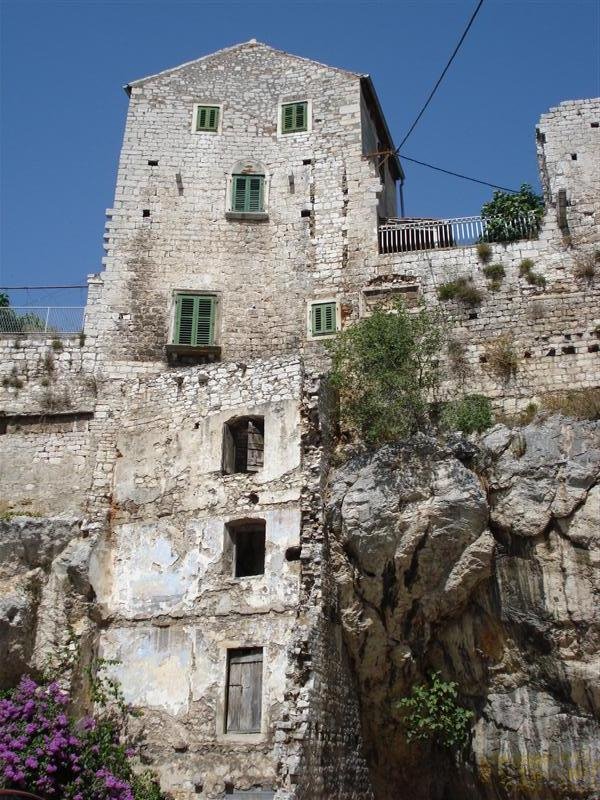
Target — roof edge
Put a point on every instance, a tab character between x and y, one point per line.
250	43
384	131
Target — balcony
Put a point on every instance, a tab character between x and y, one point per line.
408	235
49	320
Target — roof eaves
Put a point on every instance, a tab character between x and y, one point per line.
373	100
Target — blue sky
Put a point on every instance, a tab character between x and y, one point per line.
63	108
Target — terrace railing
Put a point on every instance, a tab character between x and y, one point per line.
404	235
53	320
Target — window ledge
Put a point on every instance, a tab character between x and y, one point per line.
184	352
247	216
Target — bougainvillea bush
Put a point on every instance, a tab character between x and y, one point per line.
44	752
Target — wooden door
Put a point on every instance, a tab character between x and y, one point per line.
244	691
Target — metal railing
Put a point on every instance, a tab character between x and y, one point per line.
404	235
54	320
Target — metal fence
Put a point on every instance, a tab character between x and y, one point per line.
403	235
54	320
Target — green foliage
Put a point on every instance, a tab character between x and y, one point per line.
57	344
460	289
4	301
432	713
484	252
494	272
508	214
473	412
526	271
384	368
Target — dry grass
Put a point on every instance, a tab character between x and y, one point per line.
577	403
501	357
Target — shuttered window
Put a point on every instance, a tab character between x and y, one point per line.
294	117
195	320
244	690
323	318
207	118
248	193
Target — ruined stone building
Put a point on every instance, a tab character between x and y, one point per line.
173	459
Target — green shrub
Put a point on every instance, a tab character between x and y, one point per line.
460	289
504	211
432	713
526	271
471	413
384	368
57	345
484	252
585	266
495	272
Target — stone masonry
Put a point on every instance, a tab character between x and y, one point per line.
111	430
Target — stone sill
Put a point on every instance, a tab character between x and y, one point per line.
247	216
177	353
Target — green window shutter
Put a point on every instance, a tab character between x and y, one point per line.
248	193
323	318
239	193
207	118
294	117
195	320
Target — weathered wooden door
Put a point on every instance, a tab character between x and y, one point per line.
256	447
244	690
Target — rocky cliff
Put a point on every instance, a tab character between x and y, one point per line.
478	560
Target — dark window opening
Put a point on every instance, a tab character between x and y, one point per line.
244	690
243	445
248	540
595	124
146	212
573	156
307	161
152	163
293	553
305	212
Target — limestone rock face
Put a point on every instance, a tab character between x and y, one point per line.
44	592
481	563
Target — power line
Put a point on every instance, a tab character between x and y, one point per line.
75	286
441	78
459	175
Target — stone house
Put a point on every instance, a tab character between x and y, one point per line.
255	215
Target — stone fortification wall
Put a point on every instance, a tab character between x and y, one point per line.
553	330
45	375
568	145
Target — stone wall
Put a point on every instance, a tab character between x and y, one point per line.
45	375
162	572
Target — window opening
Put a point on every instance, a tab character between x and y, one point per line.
294	117
248	193
243	445
323	318
195	320
248	540
244	690
207	118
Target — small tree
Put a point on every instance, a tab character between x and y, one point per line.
432	713
385	367
509	215
4	301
